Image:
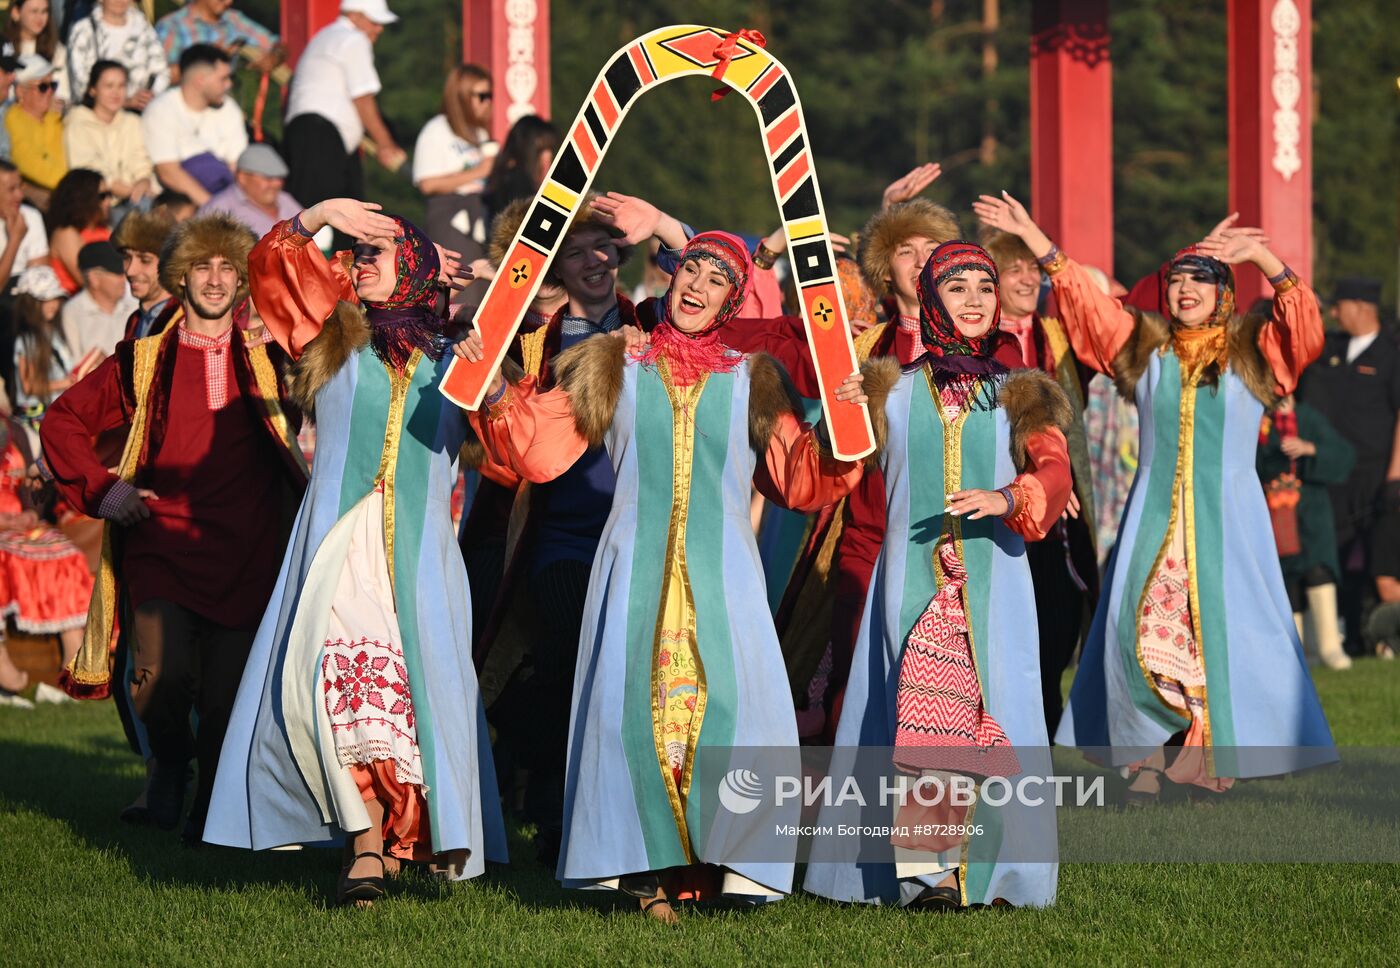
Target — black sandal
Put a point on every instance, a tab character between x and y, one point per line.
352	890
1141	798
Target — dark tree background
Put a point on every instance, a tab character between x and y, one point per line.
888	84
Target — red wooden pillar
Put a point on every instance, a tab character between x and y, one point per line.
1271	129
300	21
1072	127
511	40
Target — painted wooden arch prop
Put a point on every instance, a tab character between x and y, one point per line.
663	55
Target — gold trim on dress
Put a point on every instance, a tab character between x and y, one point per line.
684	402
399	383
265	376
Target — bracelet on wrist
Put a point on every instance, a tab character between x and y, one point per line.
299	228
1053	261
764	257
1010	496
1285	280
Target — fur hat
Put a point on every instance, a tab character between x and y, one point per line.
891	226
505	226
143	232
1006	249
203	237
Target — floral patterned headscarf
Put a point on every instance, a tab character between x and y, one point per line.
408	318
952	357
1205	269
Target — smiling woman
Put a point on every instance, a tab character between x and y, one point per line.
683	656
1193	648
360	682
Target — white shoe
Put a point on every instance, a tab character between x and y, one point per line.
15	701
48	694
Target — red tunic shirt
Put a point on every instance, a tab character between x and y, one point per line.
211	543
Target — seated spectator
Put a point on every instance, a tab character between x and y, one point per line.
23	241
44	367
1382	629
176	206
29	29
117	31
256	197
451	160
216	22
140	238
195	132
94	321
36	129
9	66
524	160
99	135
79	213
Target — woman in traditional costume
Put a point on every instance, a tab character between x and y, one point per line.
678	654
1192	667
946	667
359	713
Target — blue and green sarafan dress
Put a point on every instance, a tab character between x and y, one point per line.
946	669
1193	644
678	659
360	683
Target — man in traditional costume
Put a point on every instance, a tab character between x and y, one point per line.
359	715
197	510
539	610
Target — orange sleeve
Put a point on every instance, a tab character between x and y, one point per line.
796	472
1097	324
530	433
1042	491
294	287
1293	338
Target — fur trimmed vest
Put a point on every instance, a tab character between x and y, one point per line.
591	373
1033	402
1153	334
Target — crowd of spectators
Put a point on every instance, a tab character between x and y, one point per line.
114	128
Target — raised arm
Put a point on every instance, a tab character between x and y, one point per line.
1292	338
1097	324
294	286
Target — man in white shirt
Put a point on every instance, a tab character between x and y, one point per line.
332	107
23	241
195	132
95	319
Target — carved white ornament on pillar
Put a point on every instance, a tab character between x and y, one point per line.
1286	88
521	76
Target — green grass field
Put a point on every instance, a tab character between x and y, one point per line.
78	887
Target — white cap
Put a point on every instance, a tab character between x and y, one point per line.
376	10
41	282
34	67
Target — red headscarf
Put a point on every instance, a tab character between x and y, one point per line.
691	355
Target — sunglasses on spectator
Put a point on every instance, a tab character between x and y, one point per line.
44	87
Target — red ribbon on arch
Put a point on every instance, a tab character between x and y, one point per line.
726	49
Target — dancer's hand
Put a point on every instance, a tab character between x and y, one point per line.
1009	215
976	504
636	338
639	220
1233	246
482	269
1072	506
452	273
133	508
852	389
909	186
1296	447
471	349
361	220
